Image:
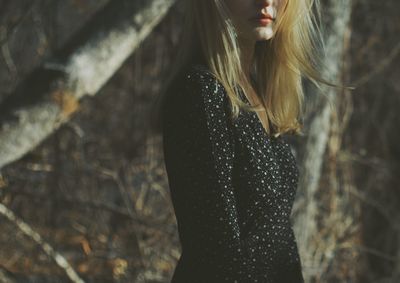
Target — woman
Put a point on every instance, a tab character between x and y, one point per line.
231	174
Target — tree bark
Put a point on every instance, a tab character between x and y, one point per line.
335	20
51	94
5	277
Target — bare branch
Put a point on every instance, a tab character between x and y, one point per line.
86	64
28	231
380	67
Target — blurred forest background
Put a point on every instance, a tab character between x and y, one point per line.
83	189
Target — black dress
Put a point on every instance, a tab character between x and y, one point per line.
232	188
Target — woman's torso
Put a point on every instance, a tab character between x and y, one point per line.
265	180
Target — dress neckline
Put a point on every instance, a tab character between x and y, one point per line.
242	94
256	116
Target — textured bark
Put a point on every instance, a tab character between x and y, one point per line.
5	278
49	250
51	94
335	17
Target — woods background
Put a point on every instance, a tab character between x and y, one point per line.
83	189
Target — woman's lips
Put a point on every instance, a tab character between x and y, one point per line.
263	19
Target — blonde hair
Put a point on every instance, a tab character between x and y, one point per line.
278	63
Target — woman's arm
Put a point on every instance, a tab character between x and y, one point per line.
199	153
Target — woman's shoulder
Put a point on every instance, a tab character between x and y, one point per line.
195	89
198	74
196	81
205	83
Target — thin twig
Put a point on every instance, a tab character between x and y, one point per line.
28	231
381	67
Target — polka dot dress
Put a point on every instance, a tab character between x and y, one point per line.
232	188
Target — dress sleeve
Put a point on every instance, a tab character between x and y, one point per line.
199	152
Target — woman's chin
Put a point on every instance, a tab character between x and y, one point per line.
263	33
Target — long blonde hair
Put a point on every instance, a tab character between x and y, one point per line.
279	63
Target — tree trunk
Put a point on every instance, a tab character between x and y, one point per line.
335	18
51	94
